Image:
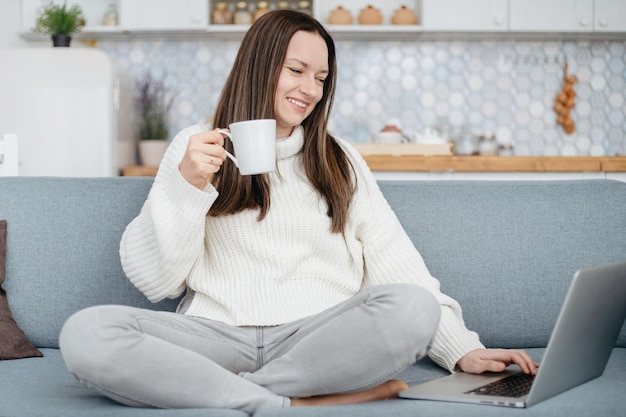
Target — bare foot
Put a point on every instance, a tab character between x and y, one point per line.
385	391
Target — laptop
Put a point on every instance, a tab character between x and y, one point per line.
578	350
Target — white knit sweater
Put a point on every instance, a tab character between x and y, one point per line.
249	273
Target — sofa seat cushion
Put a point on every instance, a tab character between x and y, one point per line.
602	396
43	387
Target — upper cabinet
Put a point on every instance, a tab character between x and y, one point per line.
518	16
129	15
324	9
551	16
163	14
119	18
610	16
464	15
94	11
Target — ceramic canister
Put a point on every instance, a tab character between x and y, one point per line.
370	16
340	16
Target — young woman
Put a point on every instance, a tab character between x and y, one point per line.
301	286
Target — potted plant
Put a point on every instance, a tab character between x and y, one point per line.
154	102
60	22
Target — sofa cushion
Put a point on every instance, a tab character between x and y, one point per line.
13	344
507	251
65	235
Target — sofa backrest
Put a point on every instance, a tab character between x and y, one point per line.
63	239
507	251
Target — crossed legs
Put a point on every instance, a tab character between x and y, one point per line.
346	354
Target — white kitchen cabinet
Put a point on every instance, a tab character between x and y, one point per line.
323	8
610	16
163	14
464	15
132	14
618	176
552	15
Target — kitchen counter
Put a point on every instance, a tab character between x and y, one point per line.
418	163
453	163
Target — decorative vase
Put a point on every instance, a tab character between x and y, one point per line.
151	151
61	40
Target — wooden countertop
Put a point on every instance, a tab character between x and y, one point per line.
419	163
139	171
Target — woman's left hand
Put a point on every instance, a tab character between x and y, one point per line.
495	360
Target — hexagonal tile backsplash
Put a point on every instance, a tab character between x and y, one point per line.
504	87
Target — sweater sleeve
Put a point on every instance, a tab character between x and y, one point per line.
161	246
389	257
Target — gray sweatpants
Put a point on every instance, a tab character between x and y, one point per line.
161	359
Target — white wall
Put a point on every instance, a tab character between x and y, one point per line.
11	26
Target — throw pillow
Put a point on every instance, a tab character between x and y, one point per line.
13	341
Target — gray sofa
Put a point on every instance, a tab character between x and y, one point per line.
505	250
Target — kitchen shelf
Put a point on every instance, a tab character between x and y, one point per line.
339	33
117	33
236	32
419	163
374	32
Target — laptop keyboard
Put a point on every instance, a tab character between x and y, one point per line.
515	386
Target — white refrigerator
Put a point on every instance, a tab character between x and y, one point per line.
61	105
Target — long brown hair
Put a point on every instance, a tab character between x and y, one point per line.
249	94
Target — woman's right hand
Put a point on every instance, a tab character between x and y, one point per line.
204	156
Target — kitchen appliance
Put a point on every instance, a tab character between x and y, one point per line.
60	104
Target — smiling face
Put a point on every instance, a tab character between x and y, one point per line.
301	81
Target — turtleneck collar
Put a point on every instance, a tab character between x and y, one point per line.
291	145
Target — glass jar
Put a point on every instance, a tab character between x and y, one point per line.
262	7
487	144
506	149
80	20
466	143
242	14
111	17
304	7
222	14
283	5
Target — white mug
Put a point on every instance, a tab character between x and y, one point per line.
255	145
